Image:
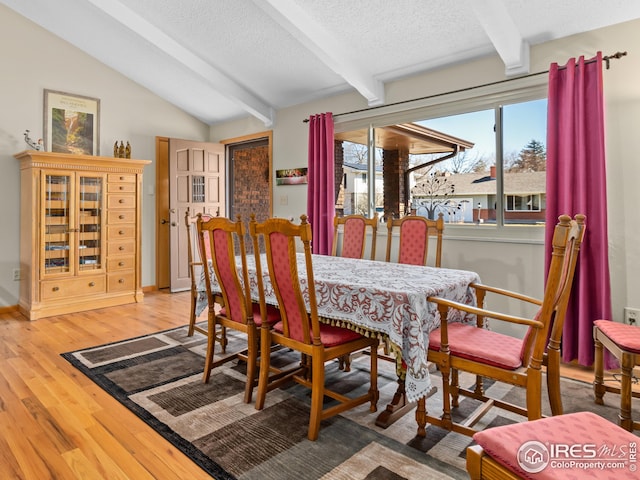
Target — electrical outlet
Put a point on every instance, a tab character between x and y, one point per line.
632	316
16	274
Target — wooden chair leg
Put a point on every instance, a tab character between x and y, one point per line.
265	365
626	368
192	317
211	345
445	371
598	364
373	380
252	360
455	388
553	382
317	396
534	394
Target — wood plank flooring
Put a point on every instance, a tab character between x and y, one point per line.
57	424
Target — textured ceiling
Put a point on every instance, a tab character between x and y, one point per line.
225	59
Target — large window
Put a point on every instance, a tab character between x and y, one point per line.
483	166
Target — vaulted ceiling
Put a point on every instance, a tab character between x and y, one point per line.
225	59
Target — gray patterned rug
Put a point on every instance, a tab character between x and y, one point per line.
159	378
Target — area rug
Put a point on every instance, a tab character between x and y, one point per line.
159	378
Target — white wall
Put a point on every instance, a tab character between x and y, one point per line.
511	265
32	60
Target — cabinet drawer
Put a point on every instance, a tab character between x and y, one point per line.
121	187
118	282
121	216
121	177
117	232
124	247
72	287
125	200
121	263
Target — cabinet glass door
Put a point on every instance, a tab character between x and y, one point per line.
90	195
57	223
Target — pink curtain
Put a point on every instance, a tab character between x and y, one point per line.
576	183
321	191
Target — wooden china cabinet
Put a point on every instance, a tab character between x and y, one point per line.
80	232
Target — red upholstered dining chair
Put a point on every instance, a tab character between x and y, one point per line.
413	245
197	258
354	235
472	348
299	329
623	341
220	235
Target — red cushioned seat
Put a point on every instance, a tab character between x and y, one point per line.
481	345
273	314
626	336
586	431
330	335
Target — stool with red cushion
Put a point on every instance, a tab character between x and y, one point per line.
623	341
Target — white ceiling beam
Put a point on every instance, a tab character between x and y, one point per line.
218	80
323	44
504	35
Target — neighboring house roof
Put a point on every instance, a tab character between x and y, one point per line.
362	167
522	183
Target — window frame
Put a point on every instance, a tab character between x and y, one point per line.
491	96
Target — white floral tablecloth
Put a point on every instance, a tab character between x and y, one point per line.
379	297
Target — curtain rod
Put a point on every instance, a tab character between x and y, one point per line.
606	59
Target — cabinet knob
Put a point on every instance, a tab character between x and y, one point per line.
121	217
55	289
120	248
121	264
121	178
92	284
121	232
121	200
121	187
121	280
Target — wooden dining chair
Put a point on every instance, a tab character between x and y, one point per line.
220	235
301	330
414	234
196	259
623	342
354	236
470	347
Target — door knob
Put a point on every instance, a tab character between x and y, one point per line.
163	221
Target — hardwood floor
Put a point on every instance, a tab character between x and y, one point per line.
57	424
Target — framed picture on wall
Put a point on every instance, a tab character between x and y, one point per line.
291	176
71	123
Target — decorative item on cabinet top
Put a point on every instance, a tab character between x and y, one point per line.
121	151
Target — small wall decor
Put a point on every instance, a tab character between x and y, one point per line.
71	123
291	176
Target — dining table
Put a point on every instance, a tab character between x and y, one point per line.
379	298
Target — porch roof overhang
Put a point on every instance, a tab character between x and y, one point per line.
410	137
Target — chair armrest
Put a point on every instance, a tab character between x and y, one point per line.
506	293
485	313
